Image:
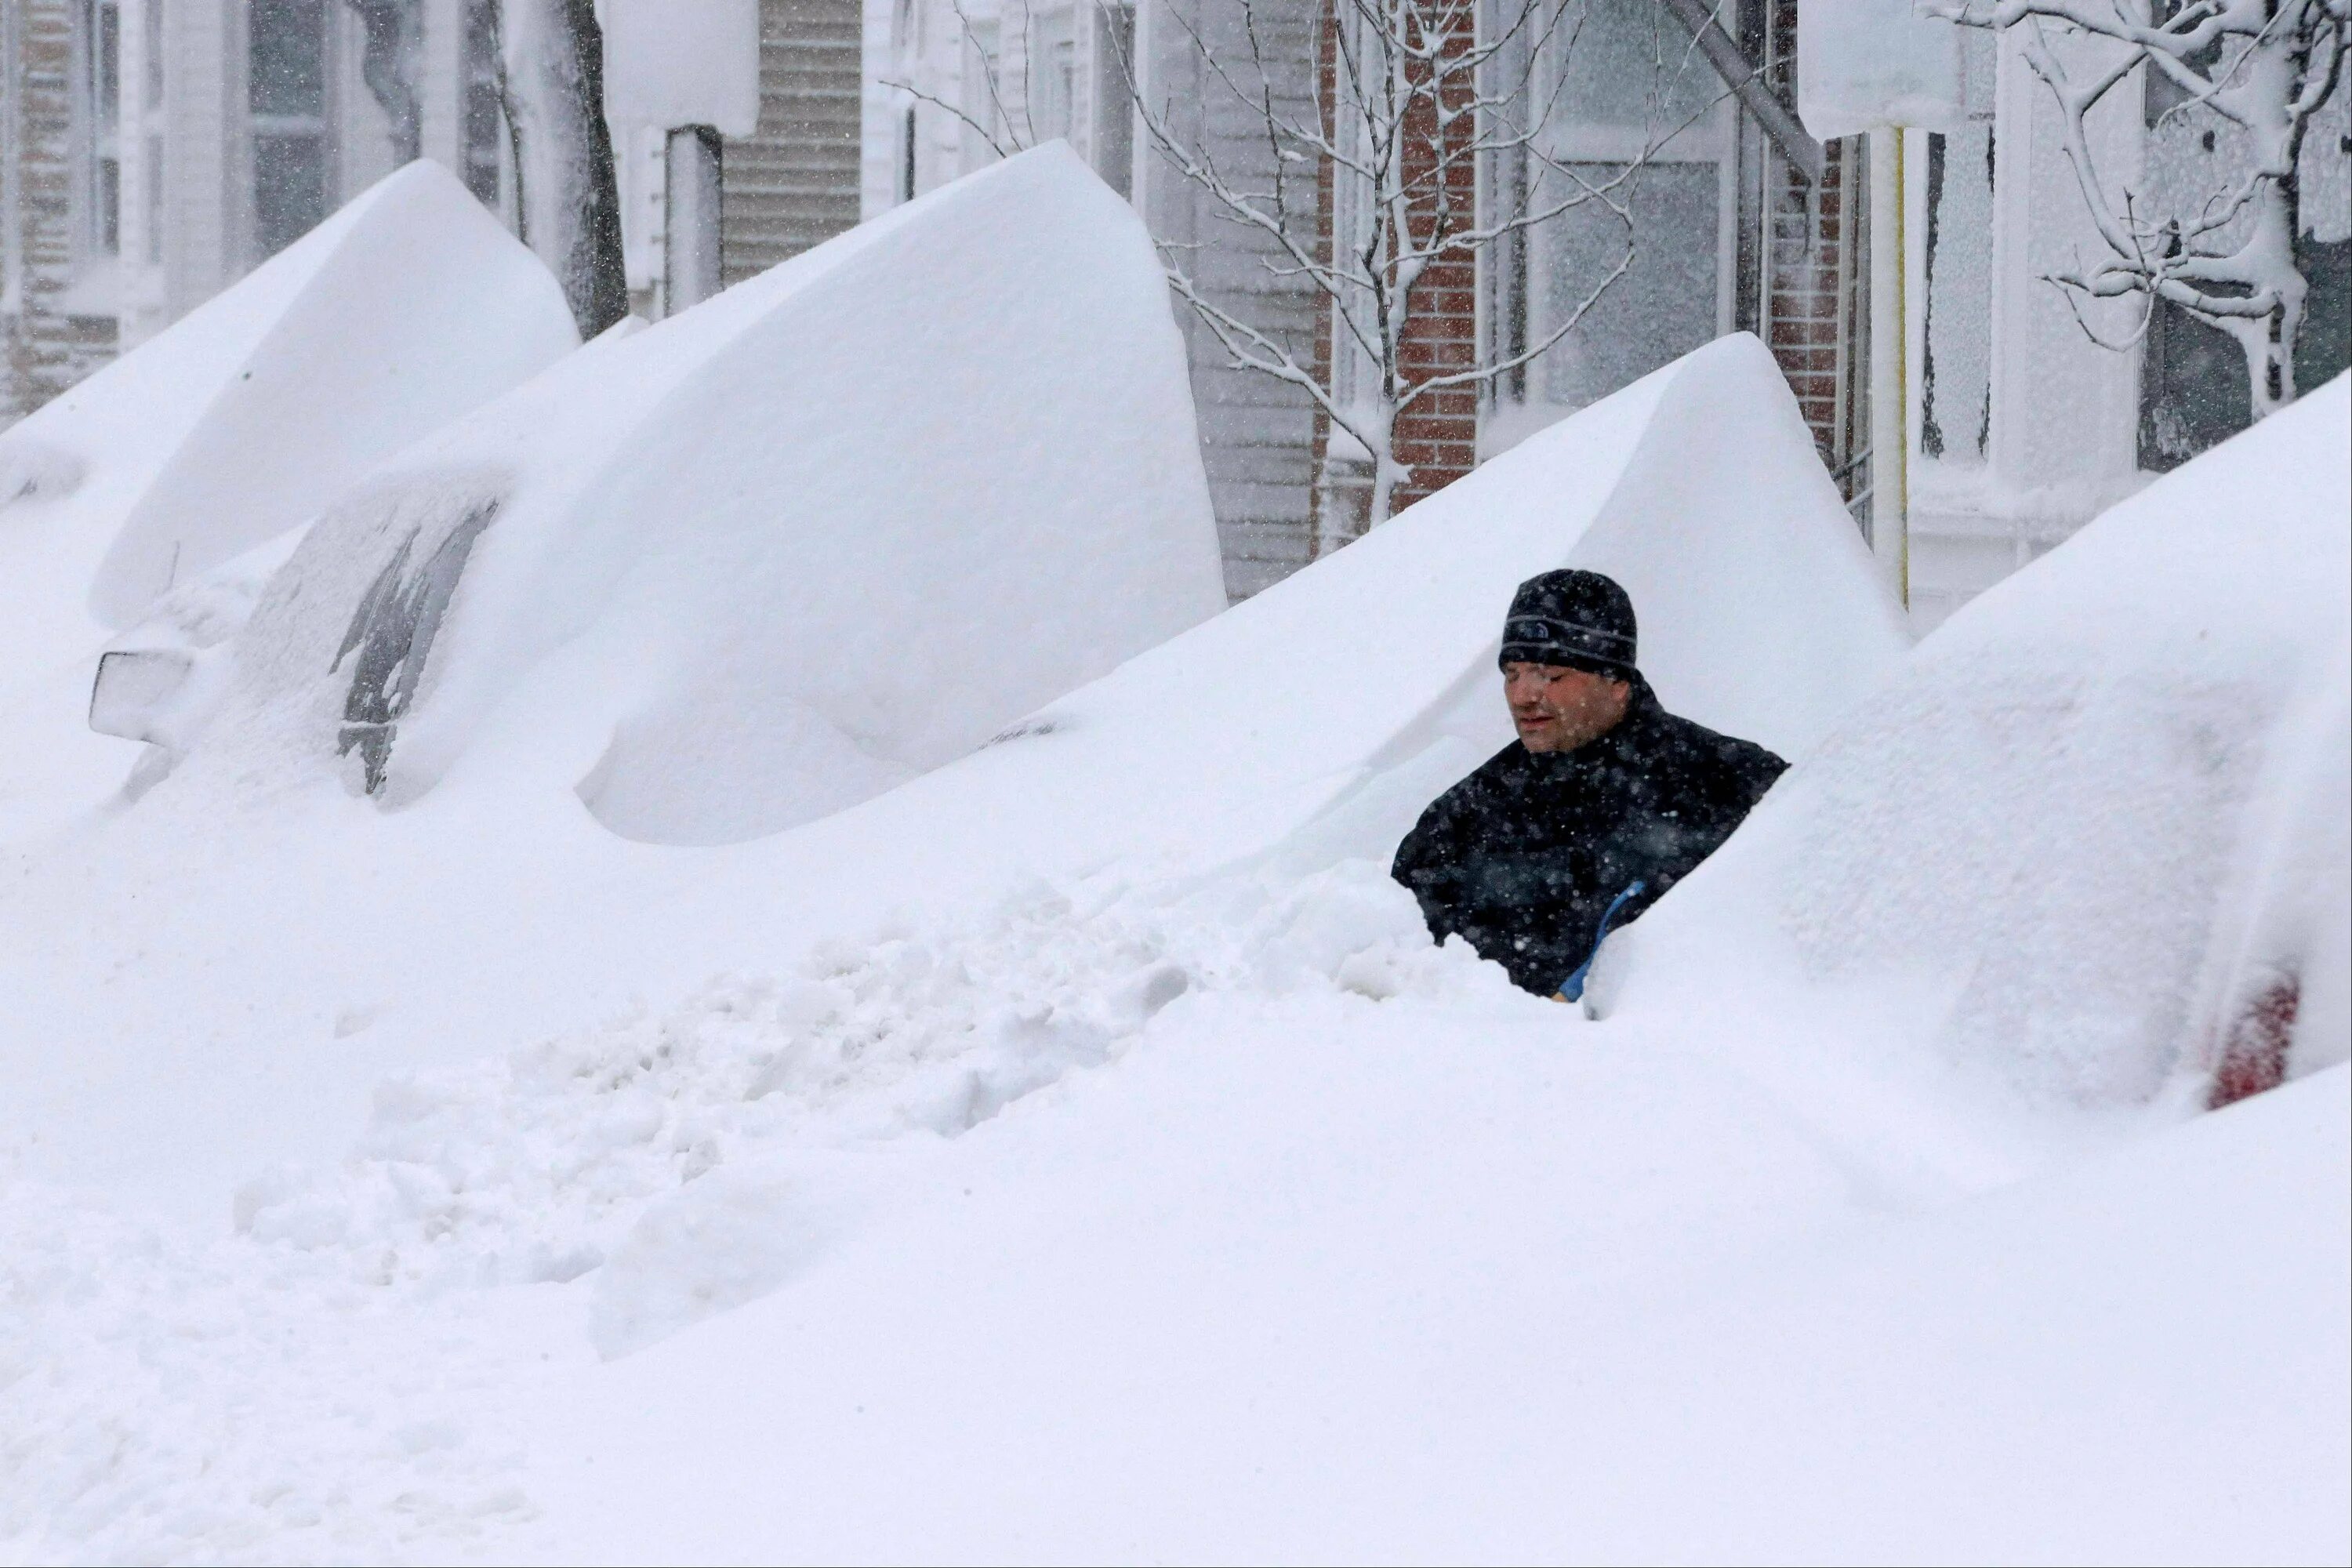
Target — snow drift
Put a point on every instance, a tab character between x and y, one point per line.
1089	1127
1312	723
773	556
405	309
146	504
2091	844
1349	695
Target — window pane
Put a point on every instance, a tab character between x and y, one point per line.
287	64
110	205
2323	347
483	118
1629	62
1956	376
108	88
289	189
1664	307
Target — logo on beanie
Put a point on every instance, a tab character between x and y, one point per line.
1592	639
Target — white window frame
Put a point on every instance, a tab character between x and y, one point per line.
322	125
96	123
1712	138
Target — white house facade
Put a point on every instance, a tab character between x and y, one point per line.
152	151
2020	409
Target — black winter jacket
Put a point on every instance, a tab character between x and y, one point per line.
1523	857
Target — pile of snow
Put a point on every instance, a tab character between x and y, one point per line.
685	1162
407	308
2090	848
1330	709
602	1144
1339	1280
823	532
1088	1128
248	938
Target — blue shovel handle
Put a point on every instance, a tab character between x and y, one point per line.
1572	988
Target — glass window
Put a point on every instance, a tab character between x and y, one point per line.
1666	303
1053	70
287	68
1631	63
290	186
287	93
97	113
1621	86
1956	377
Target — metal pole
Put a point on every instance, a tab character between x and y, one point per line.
1890	435
690	239
1746	84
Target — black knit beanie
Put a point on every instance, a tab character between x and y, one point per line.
1580	619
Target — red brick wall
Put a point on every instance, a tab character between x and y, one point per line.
1811	278
1803	306
1437	437
1807	312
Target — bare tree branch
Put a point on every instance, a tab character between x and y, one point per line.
2263	67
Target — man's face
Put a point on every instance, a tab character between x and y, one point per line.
1557	709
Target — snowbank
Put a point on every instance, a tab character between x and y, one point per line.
2089	845
407	308
1330	709
774	555
189	952
1088	1128
1384	1287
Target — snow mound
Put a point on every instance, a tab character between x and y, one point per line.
1326	711
1309	727
407	308
2091	844
813	537
543	1164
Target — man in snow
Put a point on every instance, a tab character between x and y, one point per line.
1604	800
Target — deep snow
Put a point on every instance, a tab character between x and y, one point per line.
1081	1152
834	528
289	945
2112	788
408	307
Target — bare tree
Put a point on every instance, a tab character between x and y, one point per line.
551	85
1413	99
2258	70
